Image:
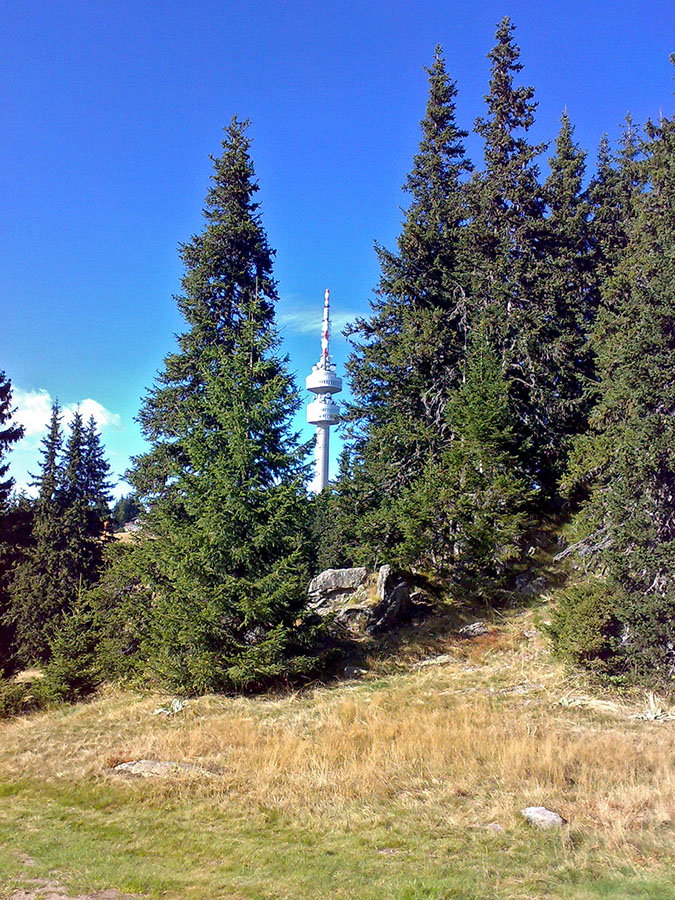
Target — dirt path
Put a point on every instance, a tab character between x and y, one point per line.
50	890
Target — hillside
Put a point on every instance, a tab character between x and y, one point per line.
407	783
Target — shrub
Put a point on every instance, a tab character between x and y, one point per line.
72	672
13	698
585	628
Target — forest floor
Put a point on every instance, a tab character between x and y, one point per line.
406	784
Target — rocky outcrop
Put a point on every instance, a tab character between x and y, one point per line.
334	585
393	607
385	581
356	604
341	595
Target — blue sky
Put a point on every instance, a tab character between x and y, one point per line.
110	112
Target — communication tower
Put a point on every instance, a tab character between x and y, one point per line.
323	411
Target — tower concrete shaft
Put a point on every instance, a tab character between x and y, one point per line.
323	411
321	457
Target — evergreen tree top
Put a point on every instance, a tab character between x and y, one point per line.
604	169
49	480
224	544
9	434
613	192
231	259
629	143
441	158
510	108
74	472
201	406
564	187
97	470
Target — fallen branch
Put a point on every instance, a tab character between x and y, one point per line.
586	546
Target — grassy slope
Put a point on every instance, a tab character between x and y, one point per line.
374	789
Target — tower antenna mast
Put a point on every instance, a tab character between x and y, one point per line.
323	411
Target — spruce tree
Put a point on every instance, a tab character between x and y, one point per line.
48	481
572	285
66	553
12	520
509	253
630	171
607	226
466	516
224	546
96	475
626	461
74	472
612	193
408	353
83	508
10	433
15	539
39	590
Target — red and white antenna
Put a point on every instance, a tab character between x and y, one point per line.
325	328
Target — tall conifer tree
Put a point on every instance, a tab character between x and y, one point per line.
10	433
39	588
612	193
572	284
97	484
410	349
508	250
466	515
65	556
12	518
627	460
407	355
83	509
225	542
608	219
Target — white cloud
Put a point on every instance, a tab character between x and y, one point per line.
34	409
102	416
308	321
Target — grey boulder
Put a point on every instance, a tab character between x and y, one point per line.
335	584
475	629
355	604
393	608
542	817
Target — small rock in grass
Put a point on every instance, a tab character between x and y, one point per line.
474	629
494	827
542	817
435	661
177	705
147	768
354	672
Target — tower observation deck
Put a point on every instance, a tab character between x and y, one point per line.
323	411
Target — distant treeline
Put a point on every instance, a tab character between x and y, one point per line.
517	366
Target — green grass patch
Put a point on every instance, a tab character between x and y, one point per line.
95	836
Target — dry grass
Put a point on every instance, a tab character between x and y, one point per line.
474	740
